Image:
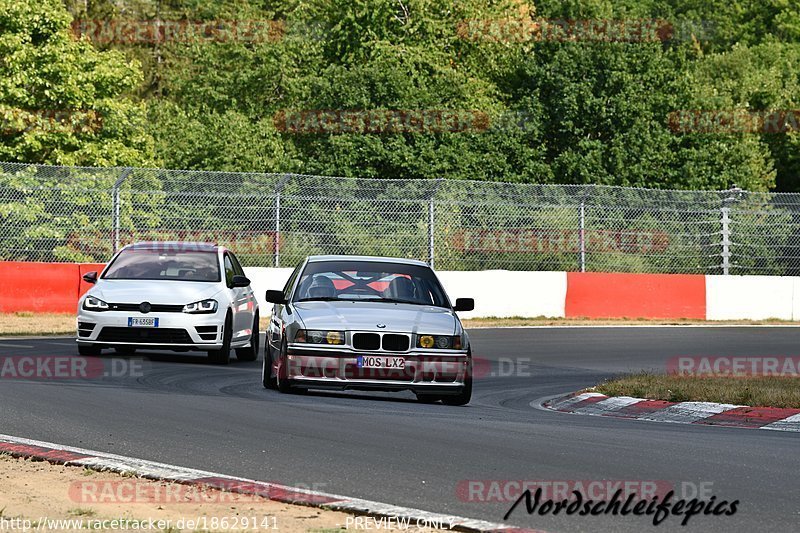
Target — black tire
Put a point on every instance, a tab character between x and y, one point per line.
89	350
463	397
269	381
282	382
250	353
426	398
125	350
223	355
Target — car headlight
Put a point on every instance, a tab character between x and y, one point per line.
94	304
205	306
316	336
439	342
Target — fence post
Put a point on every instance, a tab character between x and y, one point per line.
726	240
115	201
432	219
734	195
276	241
431	227
582	237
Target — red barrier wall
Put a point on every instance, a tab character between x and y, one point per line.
83	269
42	287
599	295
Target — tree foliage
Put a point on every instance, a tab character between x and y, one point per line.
559	110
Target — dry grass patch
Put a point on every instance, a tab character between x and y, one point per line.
24	323
34	489
754	391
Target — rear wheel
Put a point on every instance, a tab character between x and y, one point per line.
89	350
250	353
223	355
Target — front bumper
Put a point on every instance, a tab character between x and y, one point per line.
337	369
175	330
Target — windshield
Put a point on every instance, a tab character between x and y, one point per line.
162	265
370	281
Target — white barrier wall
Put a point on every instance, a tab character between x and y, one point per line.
498	293
263	279
752	297
504	293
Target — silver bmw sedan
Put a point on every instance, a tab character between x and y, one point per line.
368	323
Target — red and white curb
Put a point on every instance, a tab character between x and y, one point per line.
70	456
705	413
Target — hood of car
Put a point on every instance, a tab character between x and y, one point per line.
153	291
366	316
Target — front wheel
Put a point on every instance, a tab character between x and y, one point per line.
283	383
426	398
269	381
125	350
89	350
223	355
250	353
463	397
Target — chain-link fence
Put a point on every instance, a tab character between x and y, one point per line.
84	214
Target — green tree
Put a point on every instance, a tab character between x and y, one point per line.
62	101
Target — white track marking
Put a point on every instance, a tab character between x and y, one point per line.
791	423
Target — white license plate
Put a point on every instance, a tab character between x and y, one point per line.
136	322
381	361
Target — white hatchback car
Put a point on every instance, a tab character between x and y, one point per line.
170	295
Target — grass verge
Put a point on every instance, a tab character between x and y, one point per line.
754	391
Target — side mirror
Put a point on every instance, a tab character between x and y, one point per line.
276	297
240	281
464	304
90	277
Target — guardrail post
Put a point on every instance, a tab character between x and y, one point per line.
115	203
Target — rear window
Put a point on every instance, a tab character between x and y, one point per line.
163	265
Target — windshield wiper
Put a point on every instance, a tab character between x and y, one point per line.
321	299
394	301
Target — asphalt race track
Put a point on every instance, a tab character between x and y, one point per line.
180	410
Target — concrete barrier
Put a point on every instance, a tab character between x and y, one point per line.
56	287
751	297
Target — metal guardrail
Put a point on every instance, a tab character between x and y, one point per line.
50	213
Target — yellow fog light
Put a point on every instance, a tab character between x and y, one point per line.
426	341
334	337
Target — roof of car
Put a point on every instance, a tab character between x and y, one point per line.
174	246
321	258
